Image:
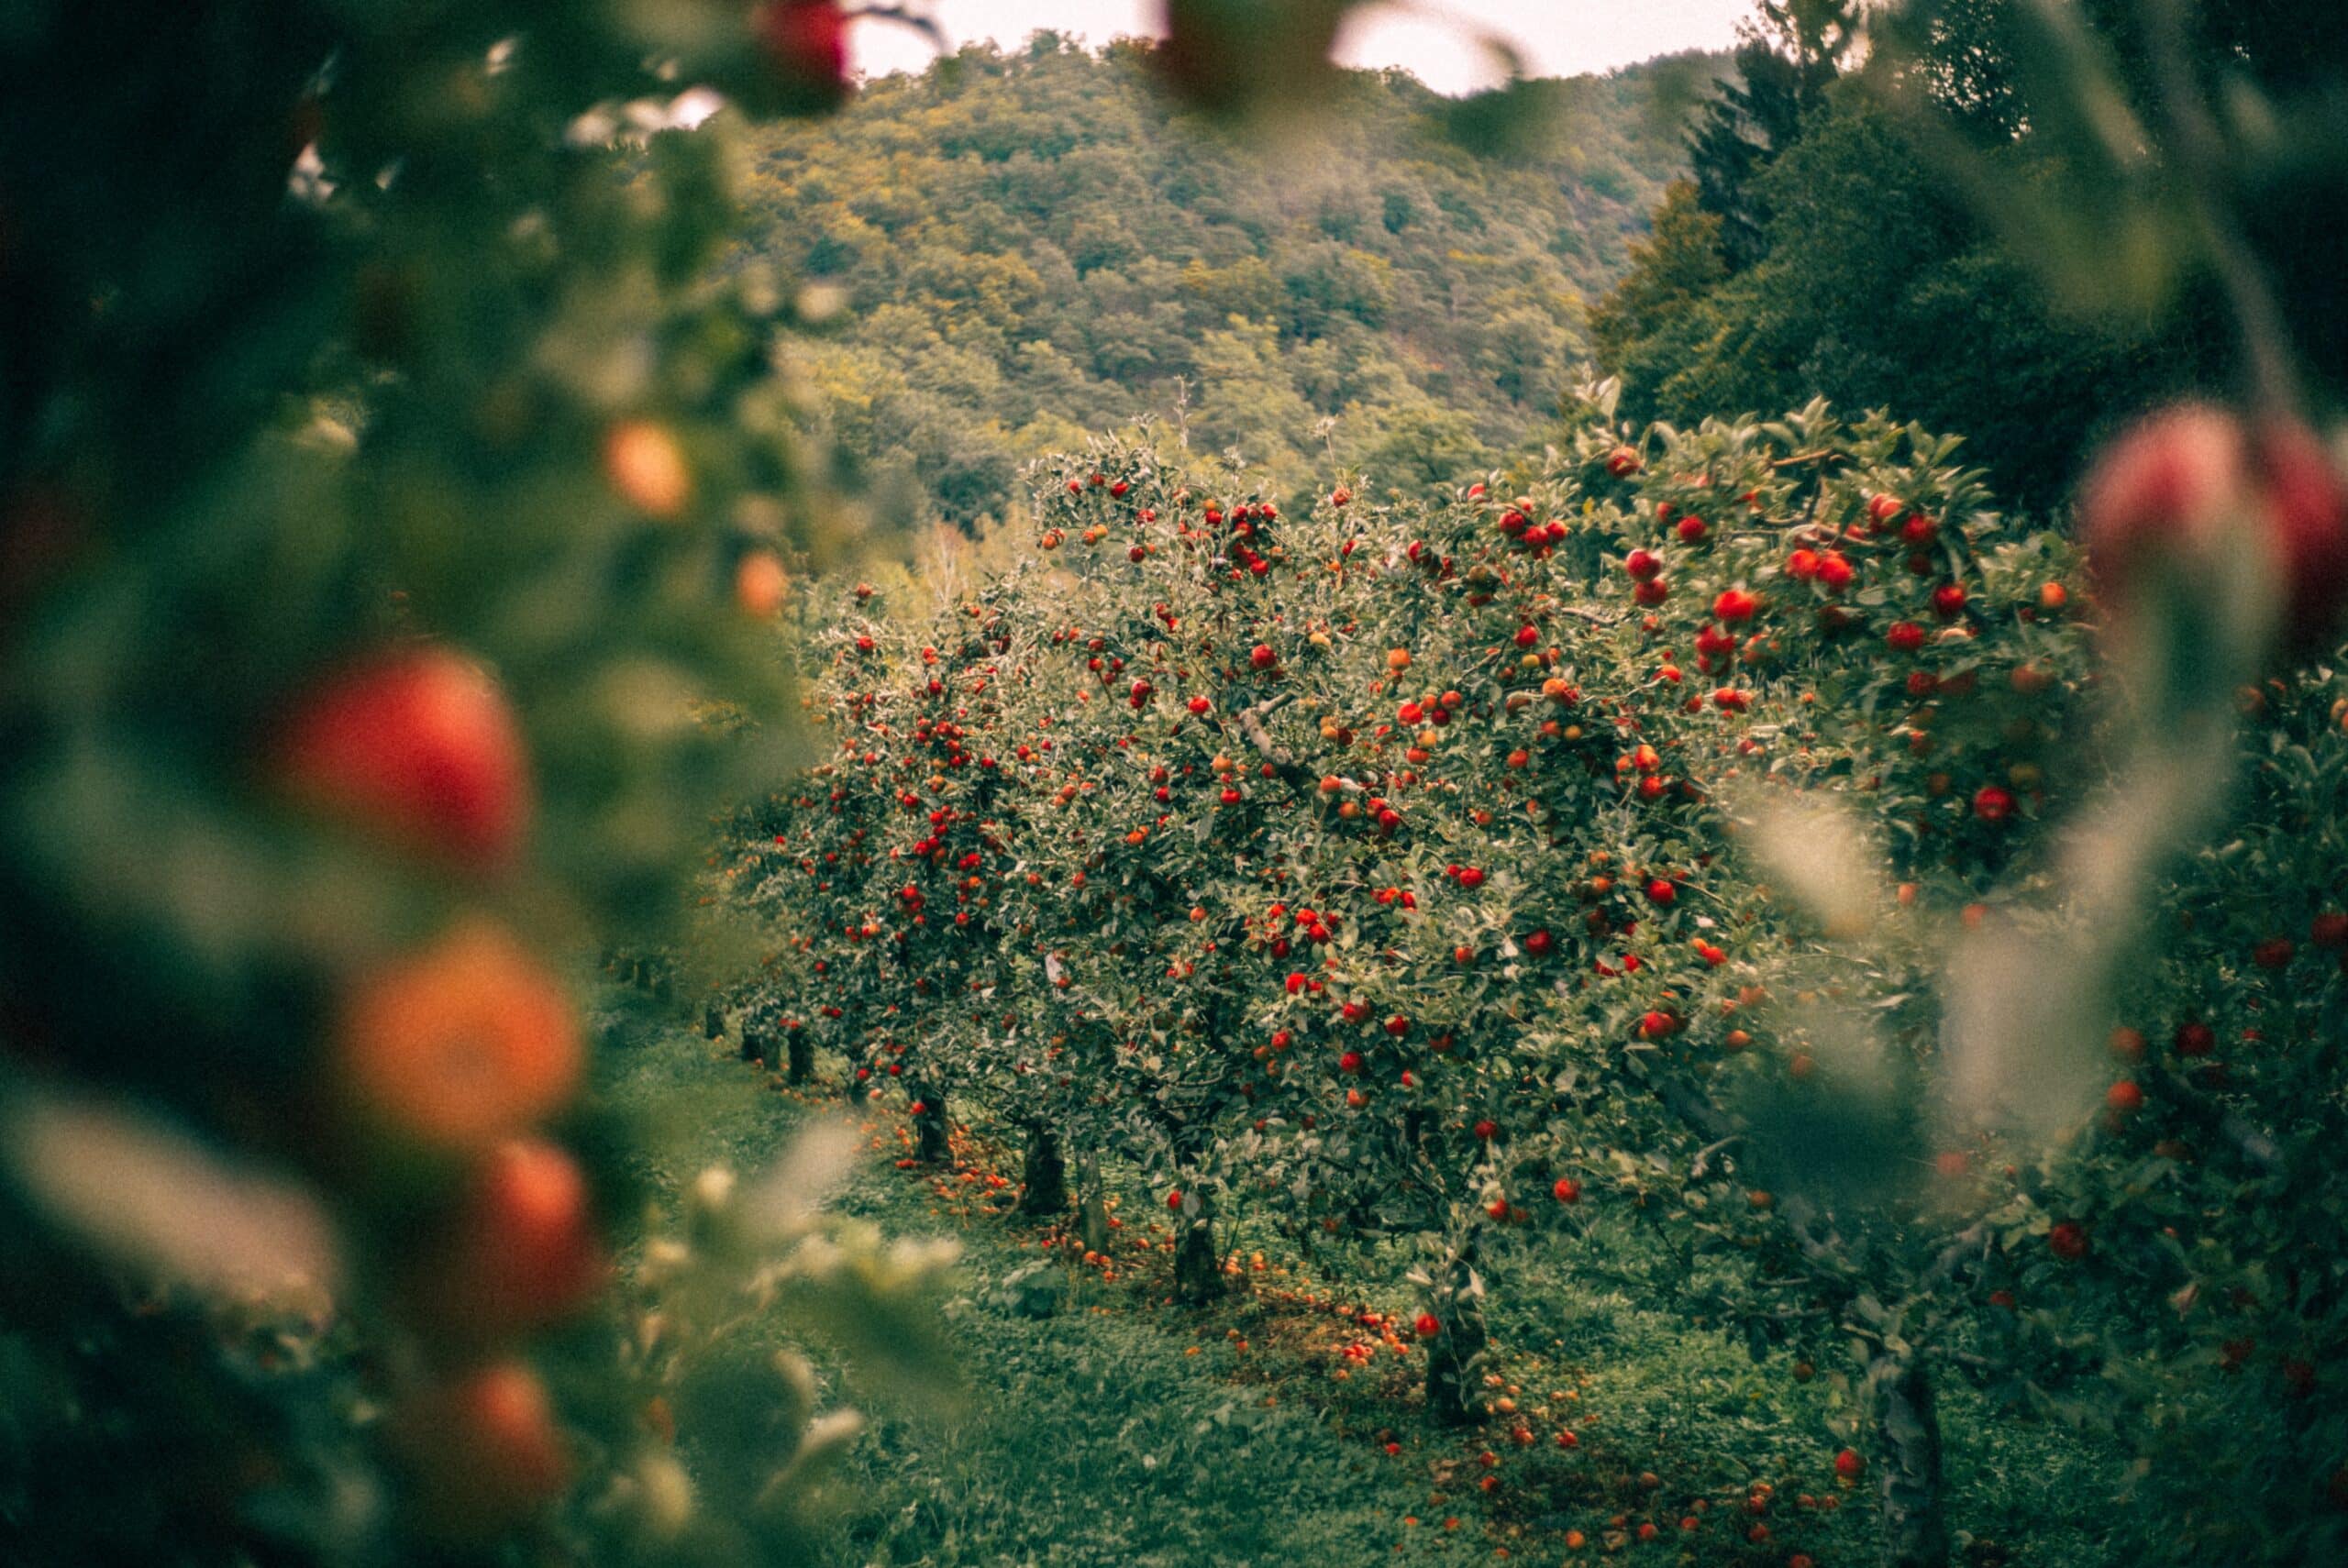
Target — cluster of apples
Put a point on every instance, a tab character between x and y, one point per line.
444	1065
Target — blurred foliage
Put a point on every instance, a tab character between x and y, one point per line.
389	494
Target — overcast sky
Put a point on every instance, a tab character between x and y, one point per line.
1558	37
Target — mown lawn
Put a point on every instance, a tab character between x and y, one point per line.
1123	1430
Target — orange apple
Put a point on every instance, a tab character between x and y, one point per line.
458	1046
644	462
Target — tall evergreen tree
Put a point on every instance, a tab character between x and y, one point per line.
1786	58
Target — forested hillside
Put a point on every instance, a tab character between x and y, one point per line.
1034	245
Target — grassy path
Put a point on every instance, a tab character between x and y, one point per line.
1121	1430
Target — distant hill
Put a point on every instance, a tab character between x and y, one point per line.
1037	247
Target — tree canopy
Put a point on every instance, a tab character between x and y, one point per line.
1825	249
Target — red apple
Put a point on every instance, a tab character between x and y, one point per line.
417	747
484	1448
1734	604
520	1250
458	1046
2169	489
1993	803
644	462
805	42
760	584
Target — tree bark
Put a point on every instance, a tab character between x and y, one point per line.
1198	1270
802	1053
1452	1361
1044	1176
1455	1355
1092	1212
712	1022
1907	1446
929	1125
753	1047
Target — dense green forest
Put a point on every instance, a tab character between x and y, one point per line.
1881	231
1034	245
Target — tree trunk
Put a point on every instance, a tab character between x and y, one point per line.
1092	1212
712	1022
1455	1355
1908	1445
802	1053
753	1045
1198	1270
1455	1361
1045	1176
929	1125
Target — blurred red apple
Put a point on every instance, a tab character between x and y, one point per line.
417	747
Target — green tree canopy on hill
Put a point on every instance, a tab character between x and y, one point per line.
1035	243
1823	249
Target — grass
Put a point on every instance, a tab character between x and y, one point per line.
1123	1429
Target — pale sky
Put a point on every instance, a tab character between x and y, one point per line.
1558	37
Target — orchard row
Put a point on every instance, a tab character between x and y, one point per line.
1450	873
